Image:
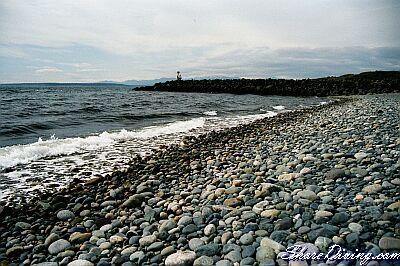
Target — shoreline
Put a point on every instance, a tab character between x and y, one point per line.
165	182
334	100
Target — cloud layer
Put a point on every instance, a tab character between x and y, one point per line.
90	40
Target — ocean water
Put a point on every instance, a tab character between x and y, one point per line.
50	135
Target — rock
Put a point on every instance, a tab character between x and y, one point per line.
283	224
155	246
106	228
340	217
268	242
167	251
305	171
371	189
233	256
167	225
14	251
208	250
394	206
303	230
116	239
322	243
389	243
309	158
358	197
209	229
352	240
136	200
80	263
65	215
355	227
323	214
132	201
185	220
147	240
22	226
180	258
51	238
272	213
224	263
194	243
248	251
105	245
307	194
259	207
137	257
360	155
334	174
79	237
203	261
128	251
264	253
225	237
246	239
288	177
232	202
59	246
279	235
190	228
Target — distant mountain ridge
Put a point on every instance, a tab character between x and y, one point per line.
134	82
371	75
374	75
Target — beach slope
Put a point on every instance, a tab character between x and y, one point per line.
324	175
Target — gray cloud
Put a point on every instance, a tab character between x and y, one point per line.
124	39
299	62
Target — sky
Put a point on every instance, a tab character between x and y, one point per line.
95	40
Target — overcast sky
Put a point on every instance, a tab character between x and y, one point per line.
93	40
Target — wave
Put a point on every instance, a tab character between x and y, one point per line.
26	129
210	113
23	154
279	107
257	116
151	116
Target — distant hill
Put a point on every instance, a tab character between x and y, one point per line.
374	75
64	84
137	83
151	82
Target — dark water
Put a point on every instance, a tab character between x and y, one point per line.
50	135
30	112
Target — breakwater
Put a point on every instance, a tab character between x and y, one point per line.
330	86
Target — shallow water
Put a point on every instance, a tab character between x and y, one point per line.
51	134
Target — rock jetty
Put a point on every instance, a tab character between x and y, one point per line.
364	83
320	176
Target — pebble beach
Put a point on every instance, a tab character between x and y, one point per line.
314	177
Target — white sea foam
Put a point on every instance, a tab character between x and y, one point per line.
23	154
210	113
251	118
279	107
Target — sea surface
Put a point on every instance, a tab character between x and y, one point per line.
51	134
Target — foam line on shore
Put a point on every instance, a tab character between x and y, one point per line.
279	107
23	154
